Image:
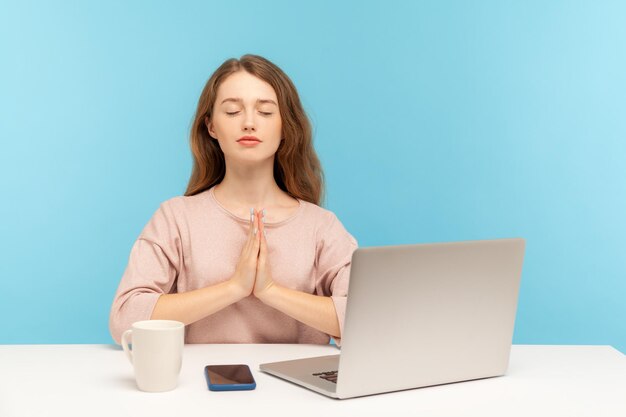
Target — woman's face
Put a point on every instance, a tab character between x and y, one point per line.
246	106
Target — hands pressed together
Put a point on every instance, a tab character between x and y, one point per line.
252	274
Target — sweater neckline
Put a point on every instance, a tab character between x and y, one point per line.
247	220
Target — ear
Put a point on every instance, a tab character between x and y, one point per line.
209	126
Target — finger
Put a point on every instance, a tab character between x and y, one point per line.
262	229
262	239
253	250
260	265
248	244
261	216
263	246
256	232
256	223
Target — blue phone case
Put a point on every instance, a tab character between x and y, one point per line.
228	387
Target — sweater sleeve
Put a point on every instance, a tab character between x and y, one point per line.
334	256
152	270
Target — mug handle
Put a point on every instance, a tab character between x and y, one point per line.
125	337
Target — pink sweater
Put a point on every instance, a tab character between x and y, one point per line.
194	242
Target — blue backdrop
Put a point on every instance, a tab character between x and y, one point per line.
435	121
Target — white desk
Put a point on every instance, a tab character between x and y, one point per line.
97	380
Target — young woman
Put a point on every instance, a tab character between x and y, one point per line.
247	255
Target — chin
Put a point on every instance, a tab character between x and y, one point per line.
250	159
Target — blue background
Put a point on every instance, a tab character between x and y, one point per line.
435	121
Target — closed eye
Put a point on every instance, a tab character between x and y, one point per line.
264	113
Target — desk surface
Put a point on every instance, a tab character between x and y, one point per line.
97	380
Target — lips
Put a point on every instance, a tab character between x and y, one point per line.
248	139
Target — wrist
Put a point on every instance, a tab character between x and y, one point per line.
236	290
268	293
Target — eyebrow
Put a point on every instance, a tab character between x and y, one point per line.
239	100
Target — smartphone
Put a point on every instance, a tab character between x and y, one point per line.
229	377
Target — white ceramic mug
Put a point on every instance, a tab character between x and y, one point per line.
157	353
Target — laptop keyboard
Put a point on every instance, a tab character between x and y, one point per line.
328	376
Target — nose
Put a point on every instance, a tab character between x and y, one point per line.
248	122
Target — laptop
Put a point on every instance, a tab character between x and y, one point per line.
419	315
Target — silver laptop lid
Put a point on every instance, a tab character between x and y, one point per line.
428	314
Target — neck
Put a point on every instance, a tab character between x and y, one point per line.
250	185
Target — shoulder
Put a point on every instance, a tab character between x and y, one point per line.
327	223
172	214
319	216
182	205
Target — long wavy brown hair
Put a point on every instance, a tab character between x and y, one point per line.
297	169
